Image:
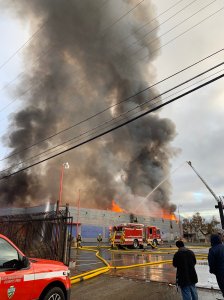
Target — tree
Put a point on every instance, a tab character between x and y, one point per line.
196	226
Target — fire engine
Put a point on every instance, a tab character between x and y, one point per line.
135	235
23	278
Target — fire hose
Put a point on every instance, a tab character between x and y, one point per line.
99	271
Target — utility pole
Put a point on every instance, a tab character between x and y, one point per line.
178	209
218	199
78	209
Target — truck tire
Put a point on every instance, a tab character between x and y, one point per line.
54	293
155	242
135	244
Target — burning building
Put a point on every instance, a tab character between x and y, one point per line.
91	222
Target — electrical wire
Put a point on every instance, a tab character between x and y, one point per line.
116	127
43	25
23	45
160	24
157	49
124	15
78	138
151	20
111	106
177	25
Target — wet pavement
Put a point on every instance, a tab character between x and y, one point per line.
160	278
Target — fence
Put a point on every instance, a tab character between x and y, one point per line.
43	235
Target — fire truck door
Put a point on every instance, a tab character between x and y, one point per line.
12	283
154	232
13	286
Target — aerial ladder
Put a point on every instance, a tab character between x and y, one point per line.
218	199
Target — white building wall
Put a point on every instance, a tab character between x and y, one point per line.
170	230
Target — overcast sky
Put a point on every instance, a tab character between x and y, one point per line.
198	117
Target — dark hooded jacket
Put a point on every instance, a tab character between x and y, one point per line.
184	260
216	255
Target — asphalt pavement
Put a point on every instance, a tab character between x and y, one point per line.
154	282
106	287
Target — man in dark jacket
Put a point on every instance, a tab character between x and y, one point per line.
184	260
216	260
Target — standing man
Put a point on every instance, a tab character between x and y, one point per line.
99	240
184	260
216	260
79	241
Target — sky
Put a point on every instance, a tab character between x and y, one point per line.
198	117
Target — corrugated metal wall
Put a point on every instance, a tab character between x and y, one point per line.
95	221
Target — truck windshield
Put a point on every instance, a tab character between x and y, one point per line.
7	252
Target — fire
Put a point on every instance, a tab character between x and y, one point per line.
163	214
115	207
169	216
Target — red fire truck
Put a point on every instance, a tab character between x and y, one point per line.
135	235
23	278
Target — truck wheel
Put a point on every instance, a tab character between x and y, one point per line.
135	244
54	294
155	242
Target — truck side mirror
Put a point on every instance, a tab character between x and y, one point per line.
25	262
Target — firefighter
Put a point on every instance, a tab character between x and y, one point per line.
99	240
79	241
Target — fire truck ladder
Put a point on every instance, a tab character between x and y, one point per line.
218	199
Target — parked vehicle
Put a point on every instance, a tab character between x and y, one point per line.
23	278
135	235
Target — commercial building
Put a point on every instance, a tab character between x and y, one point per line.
91	222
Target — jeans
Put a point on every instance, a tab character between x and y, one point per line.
189	292
220	281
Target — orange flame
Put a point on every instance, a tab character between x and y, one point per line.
115	207
169	216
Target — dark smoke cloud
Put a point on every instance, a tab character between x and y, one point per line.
79	63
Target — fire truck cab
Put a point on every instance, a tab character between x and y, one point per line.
152	235
135	235
23	278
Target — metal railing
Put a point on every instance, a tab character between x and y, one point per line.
45	235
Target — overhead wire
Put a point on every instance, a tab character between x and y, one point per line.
153	19
116	104
162	23
176	37
112	106
23	45
124	15
116	127
43	25
177	25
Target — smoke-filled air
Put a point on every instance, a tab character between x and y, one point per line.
87	58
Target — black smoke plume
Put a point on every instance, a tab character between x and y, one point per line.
84	58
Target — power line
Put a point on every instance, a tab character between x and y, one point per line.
40	28
77	138
151	20
20	48
111	106
124	15
181	34
174	27
160	24
118	126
